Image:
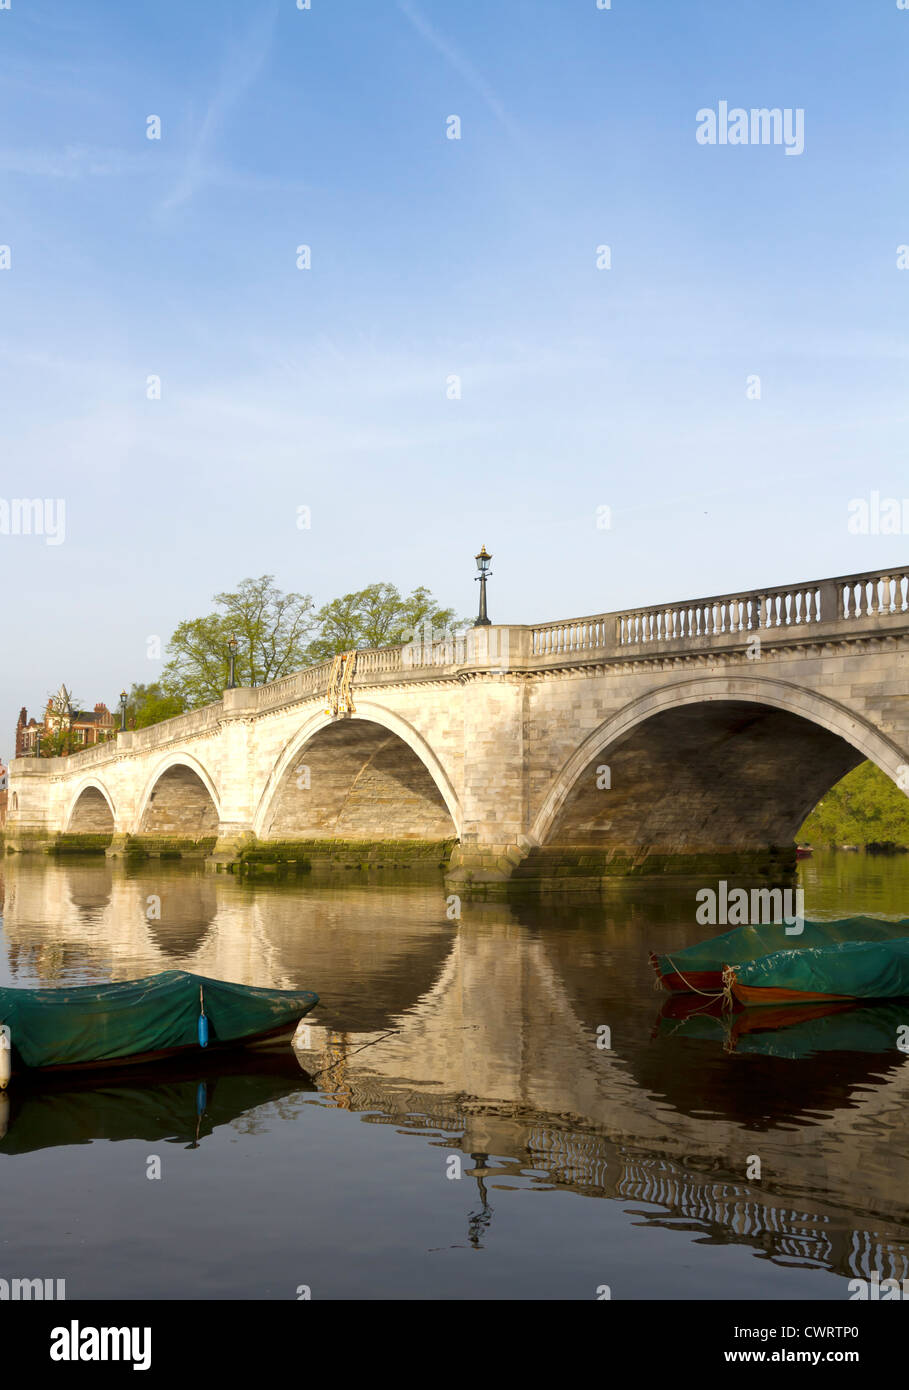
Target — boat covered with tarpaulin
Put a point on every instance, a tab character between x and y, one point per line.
698	969
849	970
160	1016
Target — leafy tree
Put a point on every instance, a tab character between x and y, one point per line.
865	807
59	743
150	704
271	628
377	616
276	634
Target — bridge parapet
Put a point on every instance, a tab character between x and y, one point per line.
313	680
87	757
857	604
181	726
513	750
852	603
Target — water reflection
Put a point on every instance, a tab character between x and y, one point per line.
183	1105
480	1037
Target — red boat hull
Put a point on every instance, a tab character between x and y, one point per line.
696	981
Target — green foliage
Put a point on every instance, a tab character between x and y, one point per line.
150	704
276	634
59	744
377	616
864	808
271	628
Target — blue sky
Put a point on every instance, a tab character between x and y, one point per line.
326	388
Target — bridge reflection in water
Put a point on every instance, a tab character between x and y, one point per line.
480	1036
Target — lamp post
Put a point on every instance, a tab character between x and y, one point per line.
123	711
37	743
483	562
232	656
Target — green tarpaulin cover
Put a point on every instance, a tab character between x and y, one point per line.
93	1023
750	943
857	969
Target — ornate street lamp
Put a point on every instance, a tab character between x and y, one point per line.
232	656
37	743
483	562
123	710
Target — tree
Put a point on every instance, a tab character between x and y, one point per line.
59	740
276	634
377	616
150	704
865	807
271	628
58	743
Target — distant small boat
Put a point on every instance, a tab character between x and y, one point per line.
151	1019
849	970
803	851
698	969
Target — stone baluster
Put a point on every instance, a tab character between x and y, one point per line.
884	600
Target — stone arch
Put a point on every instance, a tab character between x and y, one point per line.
180	799
784	719
91	810
378	753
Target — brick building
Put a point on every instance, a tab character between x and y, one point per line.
86	727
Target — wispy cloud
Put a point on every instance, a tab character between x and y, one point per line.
77	162
244	61
461	65
72	162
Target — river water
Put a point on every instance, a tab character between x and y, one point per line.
454	1126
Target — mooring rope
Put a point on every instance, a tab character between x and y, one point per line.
705	993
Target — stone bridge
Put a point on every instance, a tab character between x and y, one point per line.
684	738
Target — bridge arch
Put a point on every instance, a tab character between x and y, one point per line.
820	737
180	799
374	752
90	809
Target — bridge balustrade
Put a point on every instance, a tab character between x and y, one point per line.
857	600
859	596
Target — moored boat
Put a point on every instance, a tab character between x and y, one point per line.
698	969
155	1018
848	970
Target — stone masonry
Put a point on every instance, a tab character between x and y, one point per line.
647	740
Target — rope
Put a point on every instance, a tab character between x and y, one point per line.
331	1066
705	993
